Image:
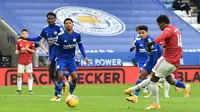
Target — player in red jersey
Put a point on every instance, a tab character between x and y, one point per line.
169	61
25	49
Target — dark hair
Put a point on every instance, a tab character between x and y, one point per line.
24	30
51	14
136	28
163	19
68	19
143	27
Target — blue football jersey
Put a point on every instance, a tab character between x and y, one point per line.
140	54
66	44
49	33
155	52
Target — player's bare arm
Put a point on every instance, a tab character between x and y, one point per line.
42	44
16	51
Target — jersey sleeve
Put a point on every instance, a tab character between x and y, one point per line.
34	39
165	34
80	45
43	35
79	40
134	43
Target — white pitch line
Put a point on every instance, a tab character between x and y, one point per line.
31	95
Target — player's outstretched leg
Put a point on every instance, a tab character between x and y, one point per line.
136	89
179	84
134	99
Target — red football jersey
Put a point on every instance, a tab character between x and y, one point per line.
173	44
25	57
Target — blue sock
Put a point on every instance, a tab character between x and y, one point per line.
66	74
136	93
179	84
58	87
72	87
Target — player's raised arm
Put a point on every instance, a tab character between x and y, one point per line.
38	38
35	38
166	33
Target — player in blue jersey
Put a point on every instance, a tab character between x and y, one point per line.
151	61
64	50
140	53
49	33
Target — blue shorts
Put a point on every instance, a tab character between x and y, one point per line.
140	65
68	63
148	66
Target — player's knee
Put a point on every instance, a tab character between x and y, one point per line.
30	75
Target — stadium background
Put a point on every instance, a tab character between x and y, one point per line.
107	28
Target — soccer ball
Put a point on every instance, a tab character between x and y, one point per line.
72	101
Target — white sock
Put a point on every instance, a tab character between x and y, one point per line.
167	87
19	83
144	83
154	90
30	83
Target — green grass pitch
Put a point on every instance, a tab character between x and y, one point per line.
94	98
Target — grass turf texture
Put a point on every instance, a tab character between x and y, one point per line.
94	98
